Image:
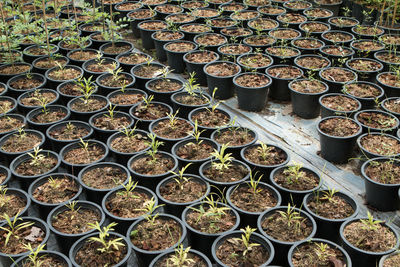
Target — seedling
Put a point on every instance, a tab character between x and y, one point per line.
329	195
21	133
173	120
43	103
216	104
84	145
180	258
69	127
292	217
294	173
322	252
191	86
12	227
154	145
224	160
370	224
4	198
37	159
72	206
179	178
33	257
213	211
264	150
253	184
110	110
146	102
150	208
108	245
196	133
129	133
116	73
86	87
54	183
129	188
245	240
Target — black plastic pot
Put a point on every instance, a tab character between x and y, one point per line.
8	259
390	91
117	44
144	257
367	76
145	34
140	80
337	149
103	134
252	98
194	164
97	43
18	117
247	217
95	75
254	238
28	57
361	257
306	105
128	66
15	92
185	109
84	116
13	106
45	253
213	48
156	261
329	228
367	129
80	242
366	102
310	16
342	27
365	154
79	62
347	259
96	194
282	247
65	97
202	241
7	173
338	42
64	240
176	208
20	193
25	108
175	58
208	130
189	35
282	60
54	83
151	181
135	21
235	150
222	185
64	50
223	83
123	222
43	207
4	89
144	124
382	196
293	197
386	257
198	67
5	77
384	108
327	112
230	52
336	86
58	144
124	107
241	60
9	156
44	126
368	52
76	168
279	88
123	157
24	180
163	95
159	44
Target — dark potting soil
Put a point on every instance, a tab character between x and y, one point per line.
332	208
195	28
149	71
311	27
80	155
391	261
340	103
56	190
168	8
158	235
192	100
210	40
255	61
234	173
292	18
252	80
165	85
92	104
188	191
133	58
88	255
153	25
11	204
378	239
277	226
195	151
69	132
20	143
147	166
201	57
308	86
180	129
380	144
25	83
317	13
107	123
307	43
83	55
304	181
14	69
32	99
393	105
362	90
222	22
263	24
273	10
245	198
74	221
180	18
386	172
337	36
245	15
368	30
9	123
210	119
131	144
21	238
390	79
273	155
49	116
311	254
343	22
64	74
205	13
339	127
150	112
126	204
283	52
235	49
126	98
116	81
46	261
366	45
210	223
376	120
231	252
338	75
222	69
5	106
104	177
339	51
33	167
236	136
180	47
117	49
312	62
71	89
365	65
285	72
196	261
100	66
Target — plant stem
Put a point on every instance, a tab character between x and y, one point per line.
6	33
45	29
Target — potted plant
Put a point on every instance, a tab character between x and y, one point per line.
148	110
374	145
220	74
338	104
164	87
281	75
181	256
31	99
13	201
377	121
175	51
366	92
11	123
